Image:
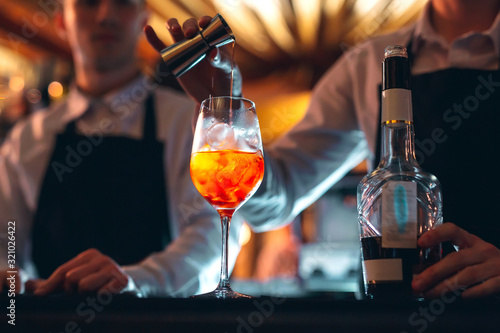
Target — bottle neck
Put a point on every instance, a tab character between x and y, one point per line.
396	109
398	145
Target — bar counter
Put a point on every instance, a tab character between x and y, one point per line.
321	313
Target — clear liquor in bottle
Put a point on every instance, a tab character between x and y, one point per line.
397	201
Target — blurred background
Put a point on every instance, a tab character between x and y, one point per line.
282	47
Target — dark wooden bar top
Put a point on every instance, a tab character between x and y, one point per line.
125	313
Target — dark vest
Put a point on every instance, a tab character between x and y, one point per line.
112	198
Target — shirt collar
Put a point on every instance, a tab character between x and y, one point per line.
494	33
125	99
77	101
130	97
424	32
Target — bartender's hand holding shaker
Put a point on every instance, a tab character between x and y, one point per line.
212	75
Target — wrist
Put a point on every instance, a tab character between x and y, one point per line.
132	288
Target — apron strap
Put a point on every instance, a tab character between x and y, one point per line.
149	128
149	125
71	127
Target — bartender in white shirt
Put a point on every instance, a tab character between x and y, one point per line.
98	185
455	51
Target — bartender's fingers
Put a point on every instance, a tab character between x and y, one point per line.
448	276
74	277
487	288
447	267
153	39
452	263
482	280
204	21
475	262
472	282
93	282
447	232
110	275
175	30
177	33
56	280
31	285
190	27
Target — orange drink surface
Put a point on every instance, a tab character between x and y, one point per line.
225	178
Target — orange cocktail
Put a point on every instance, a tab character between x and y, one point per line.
226	178
227	166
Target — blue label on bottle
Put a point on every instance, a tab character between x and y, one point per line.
399	215
400	207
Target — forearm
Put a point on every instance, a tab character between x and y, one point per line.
297	175
308	160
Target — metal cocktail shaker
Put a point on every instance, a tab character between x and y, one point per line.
182	56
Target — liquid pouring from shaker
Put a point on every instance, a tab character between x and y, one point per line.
182	56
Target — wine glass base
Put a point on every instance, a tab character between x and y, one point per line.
225	293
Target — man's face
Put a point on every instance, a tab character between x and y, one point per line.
103	34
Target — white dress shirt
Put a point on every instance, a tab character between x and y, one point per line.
340	127
190	264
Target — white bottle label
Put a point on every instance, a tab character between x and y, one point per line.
396	105
379	270
399	215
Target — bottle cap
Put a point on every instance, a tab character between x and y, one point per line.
396	51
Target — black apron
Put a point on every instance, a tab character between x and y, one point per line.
456	115
106	193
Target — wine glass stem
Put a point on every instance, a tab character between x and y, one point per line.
224	276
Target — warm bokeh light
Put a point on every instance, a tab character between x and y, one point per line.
55	90
34	96
273	30
278	114
3	92
245	235
16	83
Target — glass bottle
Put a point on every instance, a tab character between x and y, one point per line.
397	201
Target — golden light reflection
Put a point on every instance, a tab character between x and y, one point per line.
272	14
267	28
16	83
245	235
363	7
278	114
55	90
4	92
240	16
308	16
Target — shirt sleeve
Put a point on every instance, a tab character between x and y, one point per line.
15	214
315	154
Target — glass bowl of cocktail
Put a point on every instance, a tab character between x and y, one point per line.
227	165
